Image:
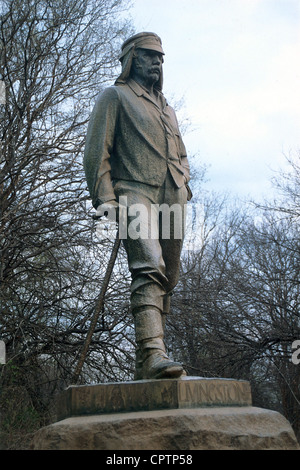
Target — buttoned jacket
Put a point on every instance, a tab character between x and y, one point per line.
132	137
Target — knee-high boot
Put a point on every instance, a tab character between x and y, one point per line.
152	360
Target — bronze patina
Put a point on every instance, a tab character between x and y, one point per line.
135	153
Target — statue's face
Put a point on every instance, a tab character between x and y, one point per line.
147	66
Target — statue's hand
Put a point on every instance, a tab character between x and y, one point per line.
189	192
109	209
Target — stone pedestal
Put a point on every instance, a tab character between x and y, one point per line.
191	413
149	395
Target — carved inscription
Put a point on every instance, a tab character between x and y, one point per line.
153	395
214	392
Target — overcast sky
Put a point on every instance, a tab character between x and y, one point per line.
236	63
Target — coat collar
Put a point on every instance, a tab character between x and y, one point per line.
141	91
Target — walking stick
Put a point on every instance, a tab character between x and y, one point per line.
98	308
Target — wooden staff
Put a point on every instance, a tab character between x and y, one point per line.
98	308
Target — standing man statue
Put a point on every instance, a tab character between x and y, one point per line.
134	153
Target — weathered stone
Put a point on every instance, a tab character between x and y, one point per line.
213	428
164	415
147	395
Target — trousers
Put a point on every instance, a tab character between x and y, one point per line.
153	221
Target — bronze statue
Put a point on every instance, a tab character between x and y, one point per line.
134	153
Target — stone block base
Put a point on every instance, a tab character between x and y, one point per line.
148	395
213	428
191	413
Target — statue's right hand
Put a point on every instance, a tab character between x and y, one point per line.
109	209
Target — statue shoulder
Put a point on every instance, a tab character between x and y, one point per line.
109	93
116	93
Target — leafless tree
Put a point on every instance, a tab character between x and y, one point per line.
55	56
236	312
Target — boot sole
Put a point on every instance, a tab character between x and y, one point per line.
171	372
